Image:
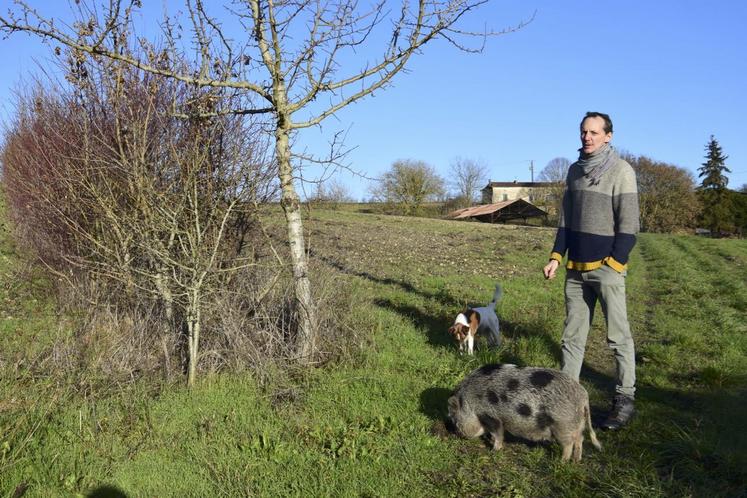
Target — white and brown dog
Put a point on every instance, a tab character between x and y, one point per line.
475	321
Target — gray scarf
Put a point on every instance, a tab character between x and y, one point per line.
597	163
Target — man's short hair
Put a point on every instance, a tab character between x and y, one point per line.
606	117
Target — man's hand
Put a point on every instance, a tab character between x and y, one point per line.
550	268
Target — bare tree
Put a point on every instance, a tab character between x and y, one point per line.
292	59
555	171
331	194
107	182
467	176
554	174
408	184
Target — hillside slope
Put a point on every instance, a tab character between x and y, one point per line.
374	425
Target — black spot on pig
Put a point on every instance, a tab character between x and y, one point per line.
541	378
492	397
489	369
504	397
544	420
489	423
513	384
524	410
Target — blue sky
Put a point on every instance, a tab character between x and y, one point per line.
670	73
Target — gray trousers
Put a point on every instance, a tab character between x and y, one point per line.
582	290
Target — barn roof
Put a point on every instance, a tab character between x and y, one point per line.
499	211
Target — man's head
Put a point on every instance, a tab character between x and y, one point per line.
596	130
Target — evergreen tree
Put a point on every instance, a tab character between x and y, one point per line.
714	195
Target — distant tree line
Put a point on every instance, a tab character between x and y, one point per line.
409	185
671	200
330	194
666	195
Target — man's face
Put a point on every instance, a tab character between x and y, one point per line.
593	135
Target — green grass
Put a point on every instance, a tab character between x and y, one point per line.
374	426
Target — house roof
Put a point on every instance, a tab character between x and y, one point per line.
517	184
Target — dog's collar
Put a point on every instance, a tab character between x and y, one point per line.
461	319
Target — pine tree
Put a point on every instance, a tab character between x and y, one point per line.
714	195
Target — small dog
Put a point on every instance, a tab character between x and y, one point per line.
478	320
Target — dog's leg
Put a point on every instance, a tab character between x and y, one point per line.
471	344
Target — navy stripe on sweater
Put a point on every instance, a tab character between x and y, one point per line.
587	247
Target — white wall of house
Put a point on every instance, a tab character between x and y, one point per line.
502	193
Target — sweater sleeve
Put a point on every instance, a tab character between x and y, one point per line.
626	214
561	240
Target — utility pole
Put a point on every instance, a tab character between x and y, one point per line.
531	168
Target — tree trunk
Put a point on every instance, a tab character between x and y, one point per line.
306	338
165	294
193	339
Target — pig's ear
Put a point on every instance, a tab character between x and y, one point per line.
455	403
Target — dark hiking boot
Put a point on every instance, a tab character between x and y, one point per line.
621	413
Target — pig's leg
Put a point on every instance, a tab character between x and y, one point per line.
493	426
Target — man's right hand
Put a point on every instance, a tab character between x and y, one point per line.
550	268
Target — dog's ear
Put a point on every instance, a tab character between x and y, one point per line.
456	331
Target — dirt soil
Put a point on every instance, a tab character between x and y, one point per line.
387	246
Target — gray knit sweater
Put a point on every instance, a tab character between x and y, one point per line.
598	223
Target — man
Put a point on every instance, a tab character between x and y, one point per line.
597	228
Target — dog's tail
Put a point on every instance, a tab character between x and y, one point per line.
497	294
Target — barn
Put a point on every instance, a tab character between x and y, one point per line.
500	212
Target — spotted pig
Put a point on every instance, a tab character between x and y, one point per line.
533	403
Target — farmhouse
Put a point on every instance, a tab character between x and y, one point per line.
534	192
